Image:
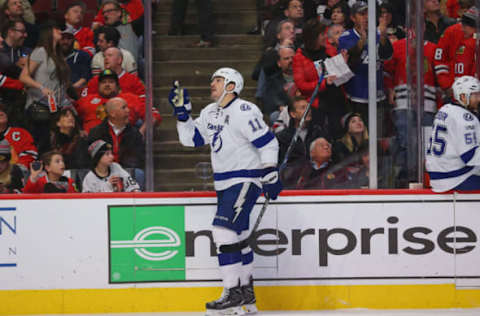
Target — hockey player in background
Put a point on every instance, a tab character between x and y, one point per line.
453	153
244	160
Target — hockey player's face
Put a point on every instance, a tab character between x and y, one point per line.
216	88
474	100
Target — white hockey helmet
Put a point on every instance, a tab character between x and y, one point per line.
465	85
231	76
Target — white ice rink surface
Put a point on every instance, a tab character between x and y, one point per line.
344	312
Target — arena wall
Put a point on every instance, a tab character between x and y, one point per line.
314	250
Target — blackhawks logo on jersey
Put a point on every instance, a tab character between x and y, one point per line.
100	112
461	50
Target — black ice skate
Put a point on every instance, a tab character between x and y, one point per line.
249	301
230	303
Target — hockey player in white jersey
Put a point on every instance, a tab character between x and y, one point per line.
453	153
244	160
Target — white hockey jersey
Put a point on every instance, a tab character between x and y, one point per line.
453	152
94	183
241	143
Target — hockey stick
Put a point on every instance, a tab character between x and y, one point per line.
302	120
246	242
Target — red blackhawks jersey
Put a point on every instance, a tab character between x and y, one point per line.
10	83
128	83
84	40
454	56
24	150
91	109
396	68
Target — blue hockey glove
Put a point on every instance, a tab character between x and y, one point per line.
180	100
271	183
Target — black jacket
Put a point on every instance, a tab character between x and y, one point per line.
131	150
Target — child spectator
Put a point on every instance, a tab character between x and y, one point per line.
11	176
106	175
65	137
48	178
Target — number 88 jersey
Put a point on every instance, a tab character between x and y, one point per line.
453	152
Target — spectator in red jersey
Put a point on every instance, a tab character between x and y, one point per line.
132	12
13	10
91	108
455	55
11	176
49	177
74	14
66	138
405	117
128	82
24	150
109	37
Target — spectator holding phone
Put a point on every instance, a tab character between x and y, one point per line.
106	175
47	176
11	176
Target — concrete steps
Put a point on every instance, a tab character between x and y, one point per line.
175	58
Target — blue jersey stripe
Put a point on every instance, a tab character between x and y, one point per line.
244	173
466	157
451	174
263	140
198	139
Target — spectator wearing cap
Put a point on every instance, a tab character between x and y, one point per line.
435	22
23	147
14	10
109	37
355	42
66	138
91	108
355	137
308	132
105	174
78	60
127	142
112	12
456	53
49	177
74	14
47	76
11	176
128	82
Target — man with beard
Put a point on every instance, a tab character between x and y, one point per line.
15	33
77	60
91	108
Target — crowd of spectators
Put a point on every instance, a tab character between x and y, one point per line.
302	37
72	104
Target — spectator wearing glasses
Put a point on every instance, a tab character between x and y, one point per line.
14	34
112	12
132	12
13	10
293	11
109	37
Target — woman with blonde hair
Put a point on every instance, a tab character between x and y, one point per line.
354	139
